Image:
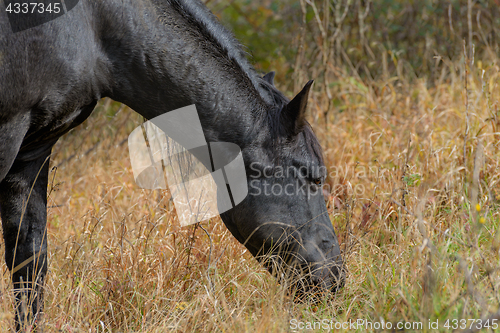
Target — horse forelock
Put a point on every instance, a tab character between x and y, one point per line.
277	135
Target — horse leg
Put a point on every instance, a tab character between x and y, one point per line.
23	208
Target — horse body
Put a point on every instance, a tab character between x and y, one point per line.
154	56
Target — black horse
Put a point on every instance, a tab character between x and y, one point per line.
156	56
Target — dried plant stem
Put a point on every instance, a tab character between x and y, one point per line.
466	134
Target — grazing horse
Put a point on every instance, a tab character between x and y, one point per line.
156	56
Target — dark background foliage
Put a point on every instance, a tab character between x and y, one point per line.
360	37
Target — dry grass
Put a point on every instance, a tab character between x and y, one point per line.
415	187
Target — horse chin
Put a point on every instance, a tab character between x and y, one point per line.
311	290
322	280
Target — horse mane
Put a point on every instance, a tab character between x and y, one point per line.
207	24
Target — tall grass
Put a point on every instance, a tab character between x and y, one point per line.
414	193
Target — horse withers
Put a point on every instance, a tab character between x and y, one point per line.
157	56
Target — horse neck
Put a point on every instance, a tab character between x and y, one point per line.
163	63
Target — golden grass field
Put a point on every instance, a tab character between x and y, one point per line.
414	198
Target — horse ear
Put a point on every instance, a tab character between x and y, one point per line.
294	113
269	78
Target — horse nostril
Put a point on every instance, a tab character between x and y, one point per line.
326	243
